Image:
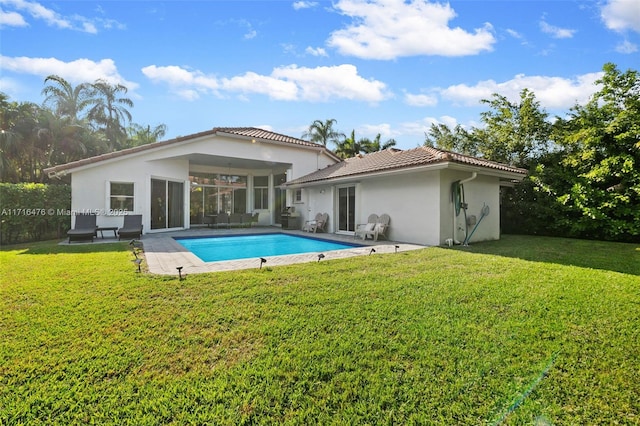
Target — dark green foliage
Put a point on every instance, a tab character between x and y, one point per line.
590	186
72	123
33	211
584	171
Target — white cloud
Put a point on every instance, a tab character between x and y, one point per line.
251	82
556	32
626	47
316	51
551	92
12	19
388	29
38	11
420	100
514	34
297	5
54	19
420	127
372	130
620	15
289	83
78	71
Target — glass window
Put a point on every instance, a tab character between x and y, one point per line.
261	192
121	196
298	195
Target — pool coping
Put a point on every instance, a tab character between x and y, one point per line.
163	254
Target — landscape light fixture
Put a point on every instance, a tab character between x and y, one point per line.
372	251
397	247
135	248
179	268
137	262
320	257
262	260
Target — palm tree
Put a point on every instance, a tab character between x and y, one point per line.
322	132
141	135
110	110
348	147
66	100
369	146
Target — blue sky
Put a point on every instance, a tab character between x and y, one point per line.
390	66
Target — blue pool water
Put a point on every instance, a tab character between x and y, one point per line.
215	249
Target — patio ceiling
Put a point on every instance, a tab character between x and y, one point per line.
233	162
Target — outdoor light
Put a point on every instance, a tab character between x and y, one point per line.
262	260
320	256
137	262
372	251
397	247
179	268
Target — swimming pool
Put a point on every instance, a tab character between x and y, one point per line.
216	249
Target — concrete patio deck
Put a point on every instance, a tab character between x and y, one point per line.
163	254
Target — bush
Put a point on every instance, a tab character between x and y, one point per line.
33	211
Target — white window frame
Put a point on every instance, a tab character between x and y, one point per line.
110	210
262	188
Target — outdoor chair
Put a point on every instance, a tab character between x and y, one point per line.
208	220
85	228
317	224
235	219
363	228
222	220
131	228
255	220
375	229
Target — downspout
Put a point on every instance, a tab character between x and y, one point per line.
460	183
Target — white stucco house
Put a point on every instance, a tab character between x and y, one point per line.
176	184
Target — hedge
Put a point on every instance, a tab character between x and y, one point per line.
33	212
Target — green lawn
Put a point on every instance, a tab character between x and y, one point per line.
527	330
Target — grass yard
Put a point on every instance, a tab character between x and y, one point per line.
527	330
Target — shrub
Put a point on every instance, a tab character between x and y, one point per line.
33	211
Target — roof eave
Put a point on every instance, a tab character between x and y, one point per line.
502	174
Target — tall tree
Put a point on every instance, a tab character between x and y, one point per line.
322	132
110	111
600	169
457	139
348	147
66	100
18	123
375	145
142	135
514	133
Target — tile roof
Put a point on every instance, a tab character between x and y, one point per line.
244	132
394	159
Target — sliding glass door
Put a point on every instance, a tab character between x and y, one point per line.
346	209
167	204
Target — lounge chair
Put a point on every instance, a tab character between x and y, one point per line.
310	223
131	228
222	220
382	226
317	224
363	228
379	228
85	228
